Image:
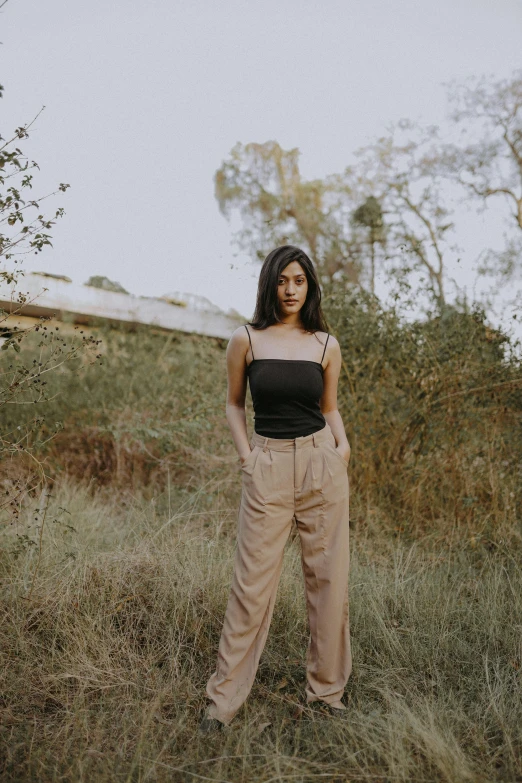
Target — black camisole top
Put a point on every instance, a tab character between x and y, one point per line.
286	395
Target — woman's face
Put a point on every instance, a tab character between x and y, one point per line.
292	288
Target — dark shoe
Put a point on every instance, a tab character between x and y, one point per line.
209	725
328	709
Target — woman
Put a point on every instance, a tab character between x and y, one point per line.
294	467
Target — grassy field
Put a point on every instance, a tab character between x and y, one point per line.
109	634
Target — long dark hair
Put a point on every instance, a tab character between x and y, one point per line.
267	305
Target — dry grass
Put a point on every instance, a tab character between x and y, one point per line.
104	667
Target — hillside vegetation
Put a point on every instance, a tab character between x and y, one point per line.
114	584
432	411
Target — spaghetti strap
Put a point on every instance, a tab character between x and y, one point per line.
250	341
326	343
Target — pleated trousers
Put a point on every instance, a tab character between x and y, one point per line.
306	480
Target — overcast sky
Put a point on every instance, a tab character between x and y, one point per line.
145	100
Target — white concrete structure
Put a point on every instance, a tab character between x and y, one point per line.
51	296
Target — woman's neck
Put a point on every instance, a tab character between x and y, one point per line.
291	323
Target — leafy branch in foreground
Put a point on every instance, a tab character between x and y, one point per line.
20	231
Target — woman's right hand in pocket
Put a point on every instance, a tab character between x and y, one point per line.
243	457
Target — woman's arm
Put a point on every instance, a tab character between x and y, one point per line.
236	391
329	398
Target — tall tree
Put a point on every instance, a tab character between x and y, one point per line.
390	198
277	206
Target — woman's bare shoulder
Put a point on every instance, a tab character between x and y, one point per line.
323	336
333	349
239	339
333	341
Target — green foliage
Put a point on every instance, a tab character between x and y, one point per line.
30	362
20	231
153	404
434	411
369	214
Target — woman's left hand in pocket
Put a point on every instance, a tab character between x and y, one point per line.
345	452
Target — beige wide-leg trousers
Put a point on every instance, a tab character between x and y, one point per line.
305	478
